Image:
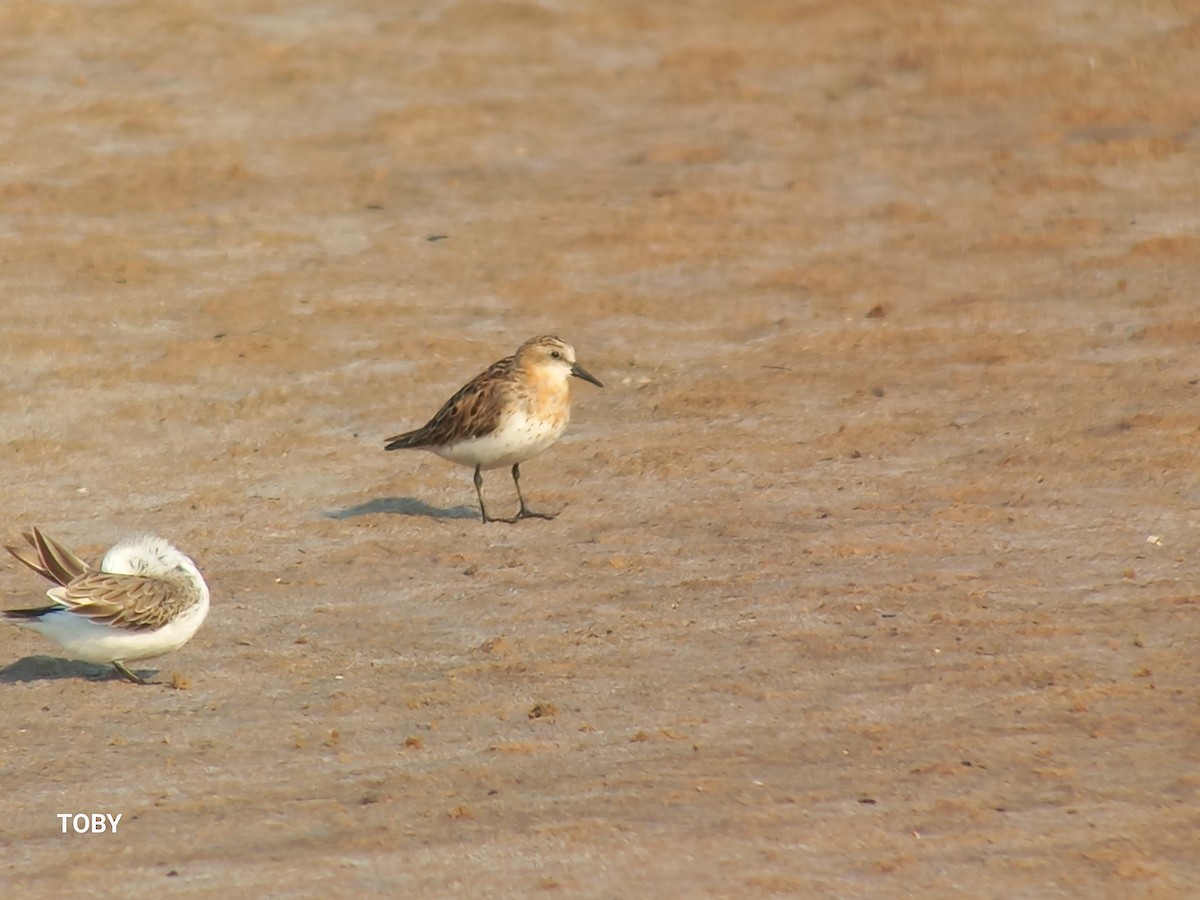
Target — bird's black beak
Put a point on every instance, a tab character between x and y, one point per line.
580	372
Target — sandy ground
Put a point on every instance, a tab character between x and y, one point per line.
876	563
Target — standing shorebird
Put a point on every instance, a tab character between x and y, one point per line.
505	416
145	599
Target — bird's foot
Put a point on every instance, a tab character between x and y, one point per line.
135	678
487	519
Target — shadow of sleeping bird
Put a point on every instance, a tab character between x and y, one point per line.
53	668
402	506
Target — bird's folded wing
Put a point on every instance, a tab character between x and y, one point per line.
131	602
472	412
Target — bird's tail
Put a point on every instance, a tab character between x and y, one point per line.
410	440
17	615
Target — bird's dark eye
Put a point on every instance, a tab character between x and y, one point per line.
554	354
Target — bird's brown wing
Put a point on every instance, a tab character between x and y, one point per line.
131	602
52	559
472	412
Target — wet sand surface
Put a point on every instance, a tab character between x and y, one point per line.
875	568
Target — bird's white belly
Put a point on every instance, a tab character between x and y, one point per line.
520	437
95	642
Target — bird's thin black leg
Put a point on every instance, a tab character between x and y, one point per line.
525	512
120	667
479	494
482	508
